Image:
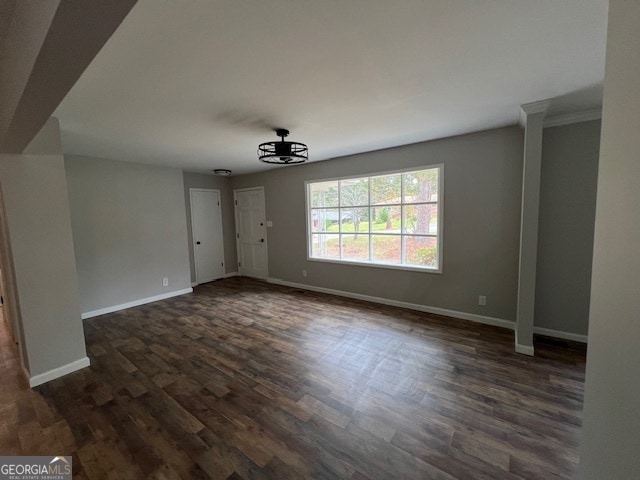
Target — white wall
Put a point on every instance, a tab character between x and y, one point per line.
611	427
129	230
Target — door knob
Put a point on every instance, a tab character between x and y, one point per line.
262	240
197	243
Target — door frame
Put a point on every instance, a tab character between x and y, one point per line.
193	236
266	237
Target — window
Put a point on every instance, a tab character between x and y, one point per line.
391	220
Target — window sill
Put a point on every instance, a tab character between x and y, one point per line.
390	266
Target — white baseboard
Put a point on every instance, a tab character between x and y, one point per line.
497	322
135	303
524	349
58	372
576	337
226	275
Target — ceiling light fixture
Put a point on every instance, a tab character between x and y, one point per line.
222	171
283	153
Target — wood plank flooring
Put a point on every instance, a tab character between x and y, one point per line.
245	380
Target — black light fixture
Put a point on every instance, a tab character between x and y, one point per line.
222	171
283	153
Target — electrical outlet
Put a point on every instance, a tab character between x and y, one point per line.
482	300
304	273
165	282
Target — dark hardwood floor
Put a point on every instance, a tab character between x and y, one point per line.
242	379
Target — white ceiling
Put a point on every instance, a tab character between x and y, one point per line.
199	84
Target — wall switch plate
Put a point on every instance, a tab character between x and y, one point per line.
482	300
304	273
165	282
269	223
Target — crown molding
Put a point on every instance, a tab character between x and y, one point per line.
532	108
536	107
570	118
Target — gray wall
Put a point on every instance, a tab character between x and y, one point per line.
482	176
36	207
223	184
129	229
611	426
565	236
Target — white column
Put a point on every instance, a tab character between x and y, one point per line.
611	426
38	221
532	116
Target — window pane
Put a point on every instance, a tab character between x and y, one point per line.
386	189
421	186
325	245
389	219
354	191
387	248
421	251
324	194
325	220
355	219
355	247
421	218
386	219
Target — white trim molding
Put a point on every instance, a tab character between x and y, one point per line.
135	303
527	109
496	322
570	118
524	349
541	106
58	372
547	332
226	275
369	262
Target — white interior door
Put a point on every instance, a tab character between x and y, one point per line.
251	232
206	227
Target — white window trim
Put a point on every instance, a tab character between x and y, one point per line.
392	266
